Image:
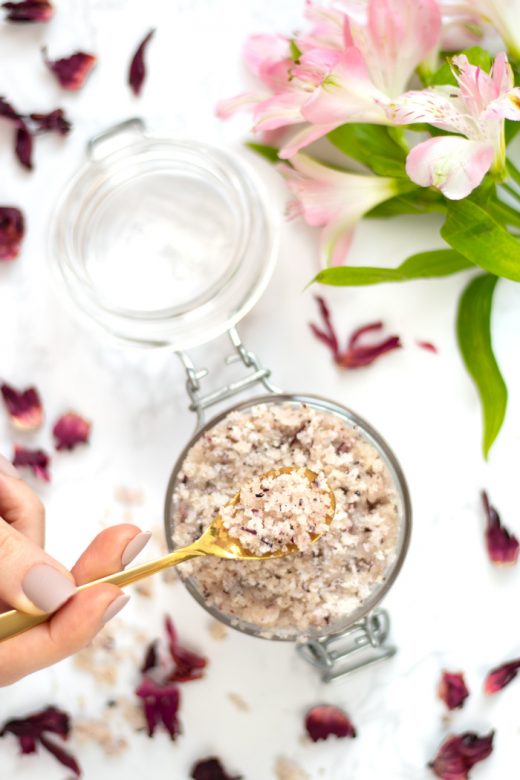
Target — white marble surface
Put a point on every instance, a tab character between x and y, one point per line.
450	608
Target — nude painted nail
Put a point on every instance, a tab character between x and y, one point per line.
115	607
47	588
7	468
134	547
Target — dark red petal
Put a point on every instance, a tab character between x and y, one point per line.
358	357
150	658
29	11
27	744
53	122
8	112
23	146
325	721
359	332
37	460
71	430
12	229
453	690
427	345
71	71
188	665
161	703
501	676
62	755
459	753
502	546
24	407
211	769
328	334
137	72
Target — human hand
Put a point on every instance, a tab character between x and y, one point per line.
34	582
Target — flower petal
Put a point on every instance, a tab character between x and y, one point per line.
453	165
12	230
188	665
427	345
71	71
53	122
29	11
501	676
23	146
137	72
211	769
24	407
459	753
453	690
70	430
37	460
326	721
502	546
161	703
32	730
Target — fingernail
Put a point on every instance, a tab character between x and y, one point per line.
47	588
115	607
7	468
134	547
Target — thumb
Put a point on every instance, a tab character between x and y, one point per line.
30	580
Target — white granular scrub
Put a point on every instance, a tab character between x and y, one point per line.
308	590
278	512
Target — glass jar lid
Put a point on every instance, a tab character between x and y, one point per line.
162	242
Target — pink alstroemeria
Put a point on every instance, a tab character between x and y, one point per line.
356	58
475	110
333	200
503	15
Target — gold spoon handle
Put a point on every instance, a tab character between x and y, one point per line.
14	622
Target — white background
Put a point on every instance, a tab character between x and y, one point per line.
450	608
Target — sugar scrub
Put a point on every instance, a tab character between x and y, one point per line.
277	512
314	588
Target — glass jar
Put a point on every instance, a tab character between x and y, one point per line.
159	242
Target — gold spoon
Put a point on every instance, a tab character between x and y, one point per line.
214	541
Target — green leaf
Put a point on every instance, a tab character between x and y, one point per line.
425	265
475	54
419	201
470	230
295	52
372	146
264	150
511	129
474	337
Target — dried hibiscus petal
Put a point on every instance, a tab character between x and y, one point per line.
502	546
211	769
453	690
427	345
37	460
71	71
150	658
188	665
32	730
12	229
29	11
8	112
501	676
327	721
24	407
355	355
161	705
459	753
71	430
137	72
23	146
53	122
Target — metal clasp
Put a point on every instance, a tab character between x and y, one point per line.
257	374
360	646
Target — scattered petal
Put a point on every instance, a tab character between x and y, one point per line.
211	769
501	676
427	345
137	72
37	460
53	122
71	430
24	407
326	720
23	146
150	658
354	356
33	730
188	665
502	546
8	112
459	753
29	11
453	690
72	71
161	704
12	229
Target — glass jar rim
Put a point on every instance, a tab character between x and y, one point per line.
341	625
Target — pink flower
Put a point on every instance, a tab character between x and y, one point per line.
503	15
475	110
334	200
